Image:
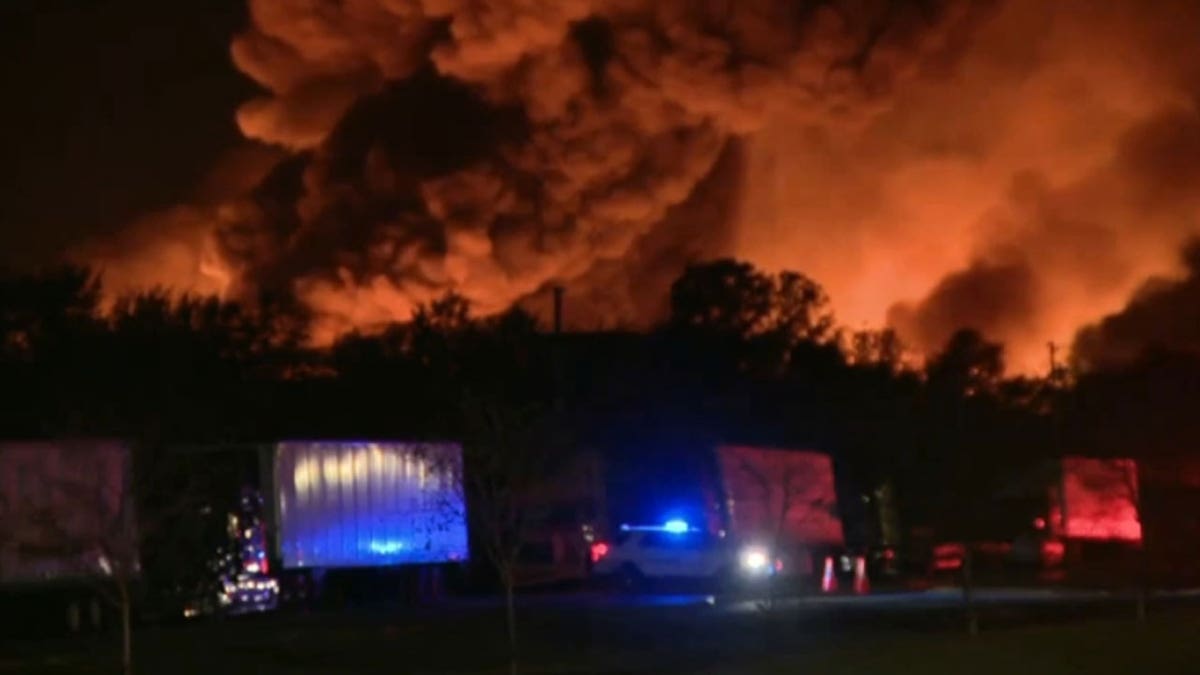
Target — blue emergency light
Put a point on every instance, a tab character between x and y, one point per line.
675	526
672	526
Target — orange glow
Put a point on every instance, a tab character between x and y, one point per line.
170	250
967	142
1014	159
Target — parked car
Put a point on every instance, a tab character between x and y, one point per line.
674	551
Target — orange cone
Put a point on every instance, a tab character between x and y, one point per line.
828	578
861	585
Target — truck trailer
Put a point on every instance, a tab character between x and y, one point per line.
67	530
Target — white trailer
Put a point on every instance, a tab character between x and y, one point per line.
369	504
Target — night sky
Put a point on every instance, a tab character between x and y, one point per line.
112	108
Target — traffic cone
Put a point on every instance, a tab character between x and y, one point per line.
828	578
861	585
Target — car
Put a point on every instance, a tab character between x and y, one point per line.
676	551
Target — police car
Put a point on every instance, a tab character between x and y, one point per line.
675	550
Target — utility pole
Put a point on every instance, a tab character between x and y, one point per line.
559	291
557	354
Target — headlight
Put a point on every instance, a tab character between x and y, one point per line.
755	559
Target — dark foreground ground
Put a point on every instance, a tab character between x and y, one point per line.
1024	633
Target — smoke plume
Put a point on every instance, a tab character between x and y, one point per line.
1026	191
495	148
1163	314
1008	165
176	249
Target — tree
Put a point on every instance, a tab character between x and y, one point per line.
969	364
1131	491
729	320
47	320
792	492
870	347
732	298
510	448
724	297
961	379
491	379
93	510
70	512
800	308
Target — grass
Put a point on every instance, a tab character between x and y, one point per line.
1164	645
635	641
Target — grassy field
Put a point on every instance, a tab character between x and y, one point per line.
659	641
1165	645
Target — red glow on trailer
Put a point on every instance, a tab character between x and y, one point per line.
762	483
1039	523
1101	499
599	550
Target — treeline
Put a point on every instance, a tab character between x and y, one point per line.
744	356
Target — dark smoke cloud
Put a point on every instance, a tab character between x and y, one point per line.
1078	247
632	291
996	299
1163	314
932	163
495	148
1034	146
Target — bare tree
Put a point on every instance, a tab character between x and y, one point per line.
1132	491
509	450
1107	494
70	515
791	491
74	514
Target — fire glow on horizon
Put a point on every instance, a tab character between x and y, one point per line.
984	166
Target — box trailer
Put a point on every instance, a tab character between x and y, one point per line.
66	525
343	504
782	498
63	506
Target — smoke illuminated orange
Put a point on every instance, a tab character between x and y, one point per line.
982	165
1014	159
